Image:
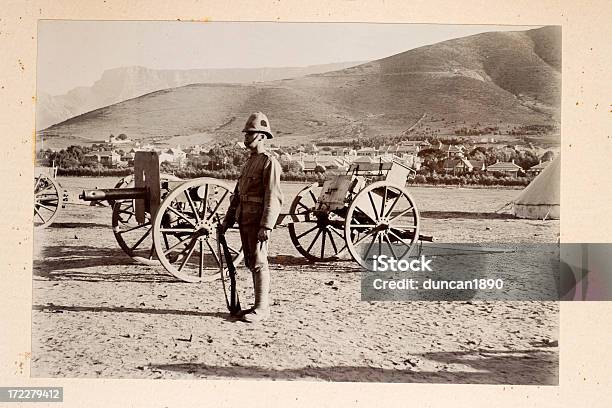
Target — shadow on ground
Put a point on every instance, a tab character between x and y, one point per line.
466	215
78	225
51	308
286	260
485	367
71	263
339	266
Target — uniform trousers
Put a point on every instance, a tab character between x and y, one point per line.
255	251
256	259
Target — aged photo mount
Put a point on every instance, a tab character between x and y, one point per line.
463	121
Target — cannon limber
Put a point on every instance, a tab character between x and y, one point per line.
163	220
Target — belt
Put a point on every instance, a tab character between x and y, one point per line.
251	199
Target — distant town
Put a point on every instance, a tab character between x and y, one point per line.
435	161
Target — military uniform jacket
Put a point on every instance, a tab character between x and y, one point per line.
257	198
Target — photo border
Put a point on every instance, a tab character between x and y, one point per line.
585	326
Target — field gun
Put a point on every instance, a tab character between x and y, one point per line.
162	219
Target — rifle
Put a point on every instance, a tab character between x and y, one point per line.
233	303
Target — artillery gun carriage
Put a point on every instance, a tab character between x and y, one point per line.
366	211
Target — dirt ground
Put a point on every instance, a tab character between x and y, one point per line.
98	314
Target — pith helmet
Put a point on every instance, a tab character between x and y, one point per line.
258	122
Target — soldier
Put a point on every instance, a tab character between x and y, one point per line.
255	204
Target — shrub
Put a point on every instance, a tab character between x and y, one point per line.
420	179
82	171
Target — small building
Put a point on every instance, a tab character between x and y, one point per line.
411	146
367	151
407	149
478	165
365	159
341	151
538	168
450	150
128	159
165	158
509	168
457	166
309	166
200	161
195	151
450	165
310	163
462	165
173	155
109	159
349	152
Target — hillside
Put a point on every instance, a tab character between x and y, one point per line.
124	83
501	79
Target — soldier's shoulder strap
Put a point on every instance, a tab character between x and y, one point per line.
269	155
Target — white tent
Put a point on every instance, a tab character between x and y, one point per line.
541	198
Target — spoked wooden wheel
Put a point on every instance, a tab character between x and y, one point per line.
134	238
383	218
185	230
46	201
315	232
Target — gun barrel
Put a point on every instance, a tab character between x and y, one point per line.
113	194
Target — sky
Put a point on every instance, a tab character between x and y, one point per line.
76	53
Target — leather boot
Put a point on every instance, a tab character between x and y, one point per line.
243	312
261	309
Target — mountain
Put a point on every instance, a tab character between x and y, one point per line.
500	79
124	83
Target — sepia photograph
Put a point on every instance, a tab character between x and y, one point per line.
207	196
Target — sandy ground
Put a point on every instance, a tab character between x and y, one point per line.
98	314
